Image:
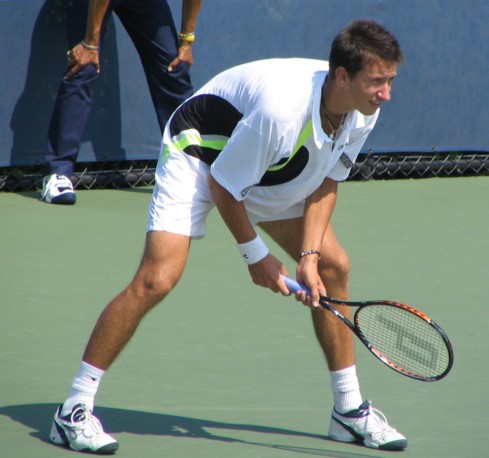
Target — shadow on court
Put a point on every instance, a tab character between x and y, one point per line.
38	417
36	195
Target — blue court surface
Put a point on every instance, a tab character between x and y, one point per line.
227	369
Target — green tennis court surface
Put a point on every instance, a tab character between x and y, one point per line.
224	368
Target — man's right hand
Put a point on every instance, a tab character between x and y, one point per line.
267	272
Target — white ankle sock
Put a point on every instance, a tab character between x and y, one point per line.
346	389
84	387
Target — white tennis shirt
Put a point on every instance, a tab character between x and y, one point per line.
276	153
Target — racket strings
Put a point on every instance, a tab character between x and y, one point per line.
409	342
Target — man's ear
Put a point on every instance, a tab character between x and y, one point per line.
341	76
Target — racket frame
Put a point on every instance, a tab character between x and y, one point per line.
328	302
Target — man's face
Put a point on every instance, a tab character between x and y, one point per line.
371	87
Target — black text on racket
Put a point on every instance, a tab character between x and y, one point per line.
402	337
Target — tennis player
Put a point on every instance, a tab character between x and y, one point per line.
266	143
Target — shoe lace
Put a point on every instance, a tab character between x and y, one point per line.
376	423
47	186
63	181
83	419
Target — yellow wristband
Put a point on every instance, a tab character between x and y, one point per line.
190	37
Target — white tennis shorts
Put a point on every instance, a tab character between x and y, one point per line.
182	201
181	197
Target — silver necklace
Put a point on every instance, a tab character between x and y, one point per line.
334	129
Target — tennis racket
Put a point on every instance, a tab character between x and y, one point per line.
403	338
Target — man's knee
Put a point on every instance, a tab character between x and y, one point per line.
152	286
161	266
336	269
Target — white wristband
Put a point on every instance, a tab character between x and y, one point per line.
253	251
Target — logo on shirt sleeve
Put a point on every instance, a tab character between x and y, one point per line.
346	161
245	191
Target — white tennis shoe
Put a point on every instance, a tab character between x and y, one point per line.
367	426
81	431
57	189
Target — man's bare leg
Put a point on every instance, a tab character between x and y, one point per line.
335	338
161	267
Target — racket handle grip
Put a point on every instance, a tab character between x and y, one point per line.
294	286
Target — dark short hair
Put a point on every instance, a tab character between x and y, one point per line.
360	42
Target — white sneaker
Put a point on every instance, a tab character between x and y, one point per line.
367	426
82	432
58	189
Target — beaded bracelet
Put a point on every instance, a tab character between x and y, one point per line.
308	252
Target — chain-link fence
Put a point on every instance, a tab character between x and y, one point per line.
89	175
369	166
384	166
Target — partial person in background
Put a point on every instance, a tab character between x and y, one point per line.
166	57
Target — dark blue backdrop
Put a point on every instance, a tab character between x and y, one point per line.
440	98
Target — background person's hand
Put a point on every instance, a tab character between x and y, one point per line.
79	57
